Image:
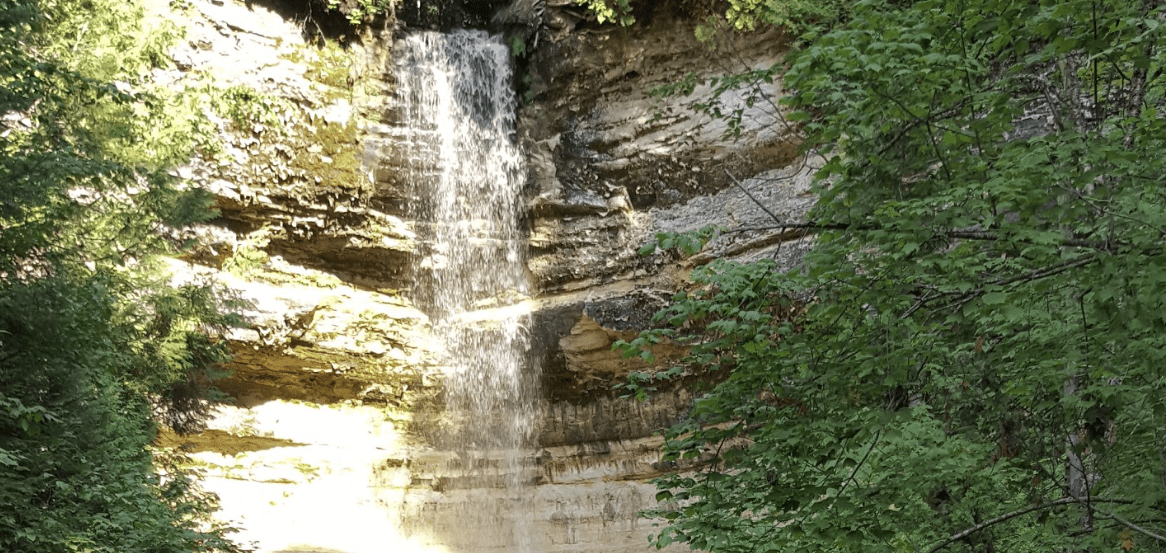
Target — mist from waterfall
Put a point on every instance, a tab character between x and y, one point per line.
455	100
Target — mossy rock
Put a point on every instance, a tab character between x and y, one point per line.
333	161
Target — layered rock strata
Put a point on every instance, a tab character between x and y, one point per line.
325	446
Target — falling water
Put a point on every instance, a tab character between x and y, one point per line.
454	96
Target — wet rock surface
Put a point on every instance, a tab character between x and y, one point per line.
337	379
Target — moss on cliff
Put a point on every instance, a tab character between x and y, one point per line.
332	159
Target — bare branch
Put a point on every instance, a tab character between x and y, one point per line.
755	200
1013	514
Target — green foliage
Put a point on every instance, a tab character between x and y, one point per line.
971	356
92	342
362	11
327	63
795	16
616	11
252	111
687	243
249	255
517	46
75	424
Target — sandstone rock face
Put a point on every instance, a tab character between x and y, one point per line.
327	445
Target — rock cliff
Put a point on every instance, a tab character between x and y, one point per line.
325	445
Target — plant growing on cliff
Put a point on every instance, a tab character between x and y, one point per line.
362	11
254	112
610	11
91	340
795	16
249	255
971	356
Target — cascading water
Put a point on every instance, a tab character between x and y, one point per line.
455	101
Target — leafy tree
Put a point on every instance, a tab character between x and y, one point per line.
92	342
971	357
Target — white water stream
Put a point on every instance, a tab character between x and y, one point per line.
466	171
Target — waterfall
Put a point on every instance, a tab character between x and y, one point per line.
465	171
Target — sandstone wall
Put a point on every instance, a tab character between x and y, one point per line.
337	382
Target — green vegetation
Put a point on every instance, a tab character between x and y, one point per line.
517	46
362	11
327	63
337	165
249	255
253	112
93	345
795	16
617	11
971	357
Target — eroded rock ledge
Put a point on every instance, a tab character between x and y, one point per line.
338	375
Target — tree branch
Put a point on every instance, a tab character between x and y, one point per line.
1013	514
1035	274
1130	525
854	472
985	236
755	200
